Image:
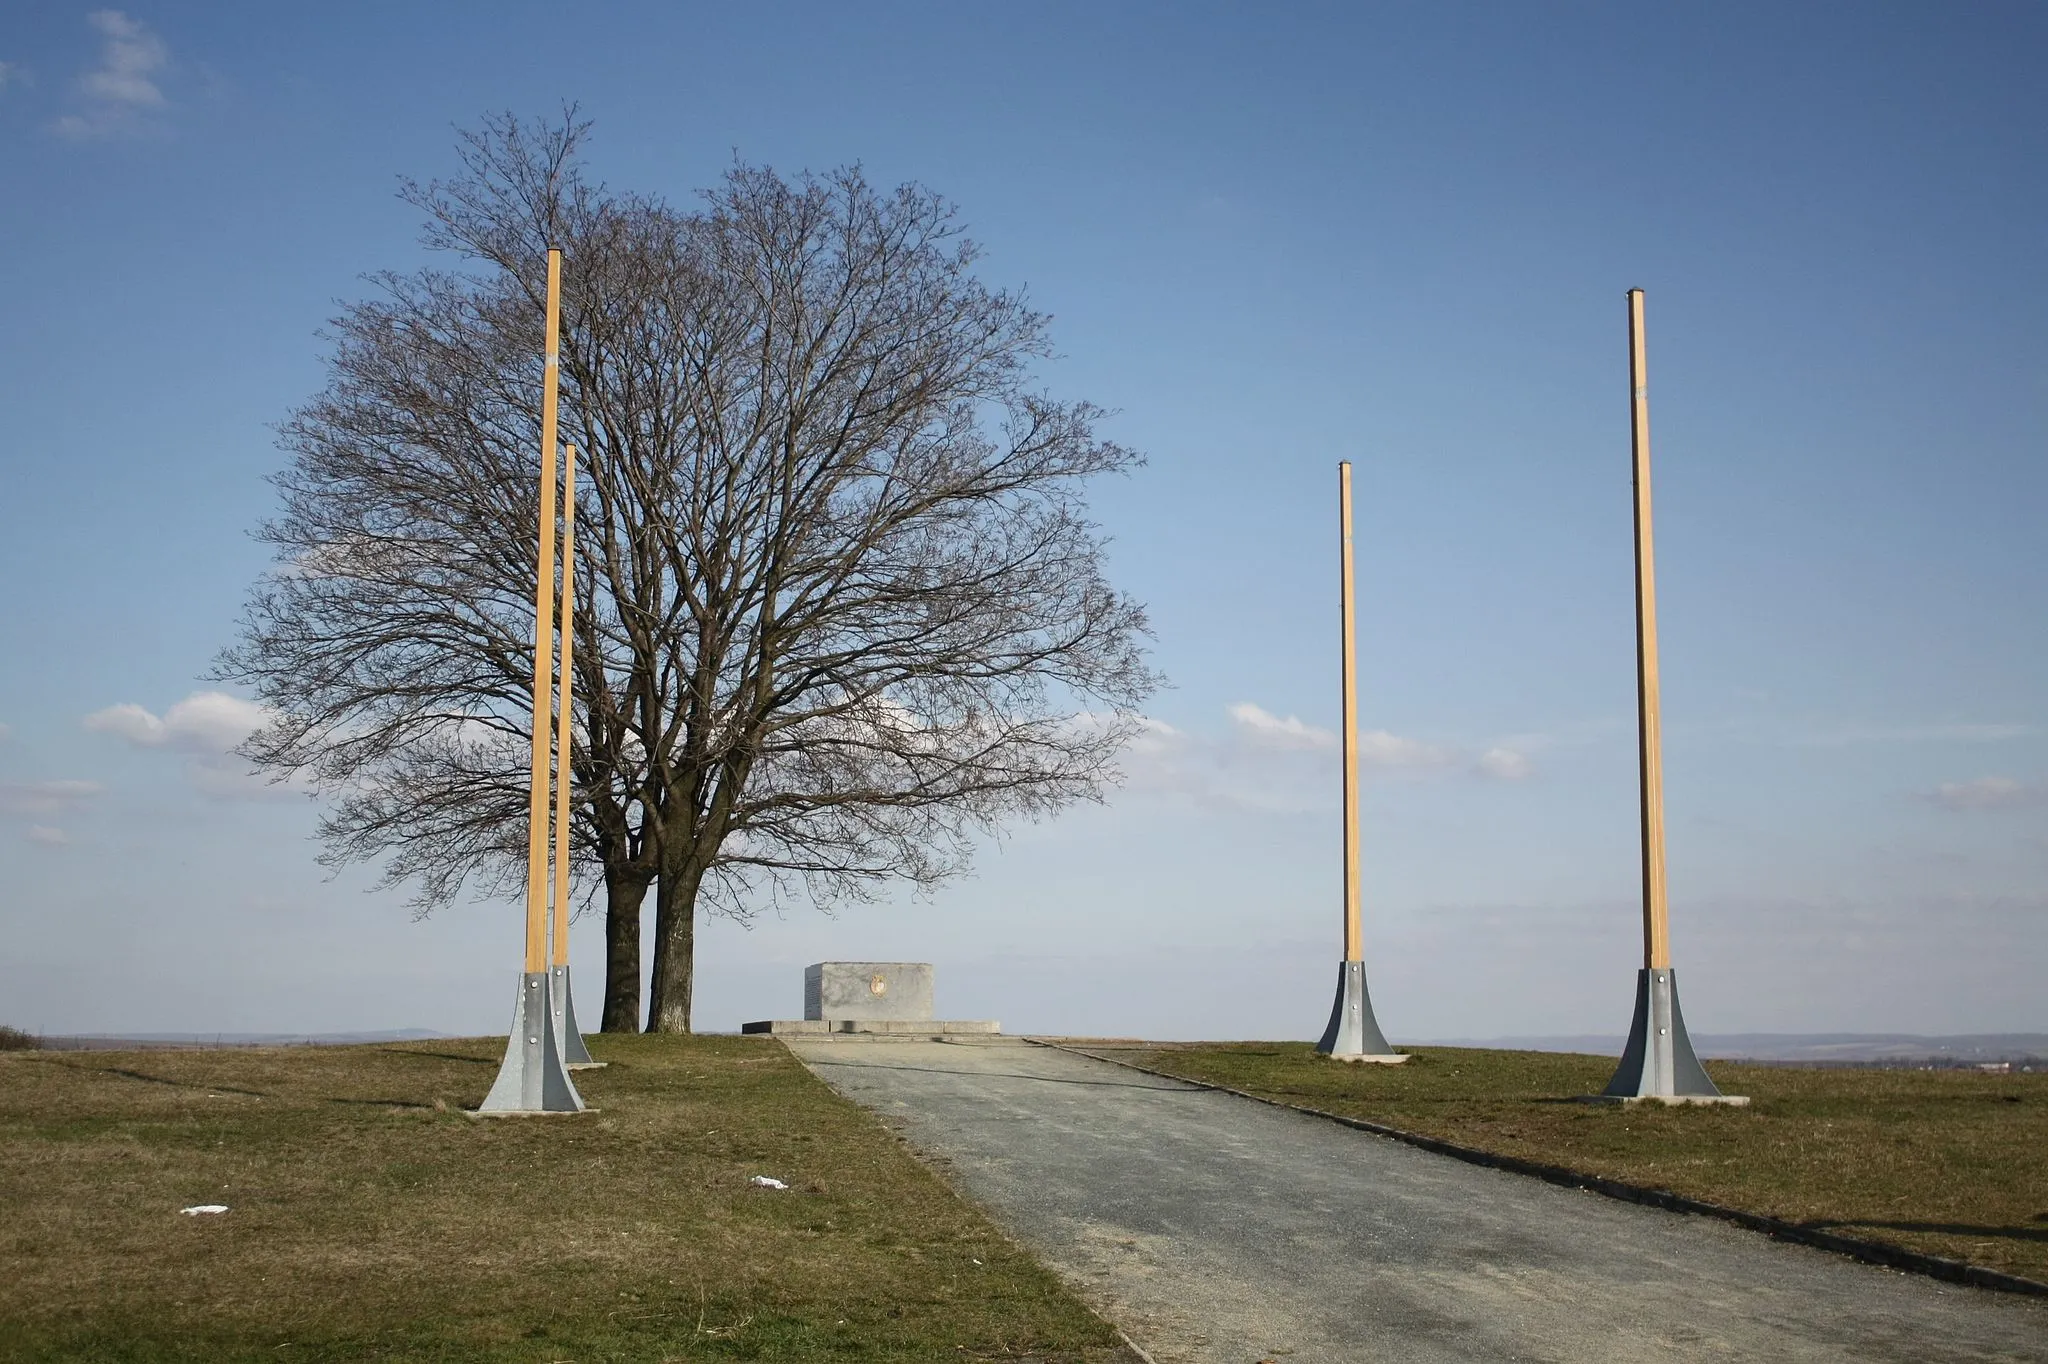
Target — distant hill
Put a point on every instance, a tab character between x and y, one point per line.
1847	1047
145	1040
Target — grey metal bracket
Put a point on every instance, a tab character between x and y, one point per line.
1658	1062
533	1078
1353	1033
568	1037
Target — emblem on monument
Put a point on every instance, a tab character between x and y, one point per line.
877	985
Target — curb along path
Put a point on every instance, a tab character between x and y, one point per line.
1870	1252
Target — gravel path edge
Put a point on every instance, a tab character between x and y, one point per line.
1870	1252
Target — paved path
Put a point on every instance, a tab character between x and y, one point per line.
1212	1228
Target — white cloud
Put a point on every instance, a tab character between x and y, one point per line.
1261	726
1988	793
10	72
48	837
6	733
1284	765
119	92
227	777
208	722
1153	736
132	53
1912	734
1377	748
1505	764
205	727
44	797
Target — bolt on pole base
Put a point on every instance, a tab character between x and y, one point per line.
568	1037
1658	1065
533	1078
1354	1034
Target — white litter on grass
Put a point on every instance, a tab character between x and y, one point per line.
763	1180
204	1209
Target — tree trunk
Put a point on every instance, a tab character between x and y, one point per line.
624	894
675	942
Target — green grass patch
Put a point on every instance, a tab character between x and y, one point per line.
1945	1162
371	1219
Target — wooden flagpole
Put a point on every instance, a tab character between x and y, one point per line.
543	640
1656	909
1354	937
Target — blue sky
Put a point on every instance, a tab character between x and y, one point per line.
1272	238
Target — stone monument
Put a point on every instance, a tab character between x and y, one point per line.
873	999
868	990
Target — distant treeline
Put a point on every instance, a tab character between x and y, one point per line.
2001	1065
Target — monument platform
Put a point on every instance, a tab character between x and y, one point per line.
1670	1100
914	1029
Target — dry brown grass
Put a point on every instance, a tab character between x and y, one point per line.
1949	1163
372	1219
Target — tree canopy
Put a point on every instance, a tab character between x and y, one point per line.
841	607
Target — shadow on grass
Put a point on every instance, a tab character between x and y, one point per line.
163	1080
439	1056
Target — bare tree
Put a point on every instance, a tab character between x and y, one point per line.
845	612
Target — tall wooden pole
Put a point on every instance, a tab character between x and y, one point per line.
564	695
1354	940
543	641
534	1077
1657	1061
1352	1034
1656	914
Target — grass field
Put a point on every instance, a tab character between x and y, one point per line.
372	1220
1950	1163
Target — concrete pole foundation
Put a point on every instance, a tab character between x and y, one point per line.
1354	1034
1658	1063
533	1078
568	1037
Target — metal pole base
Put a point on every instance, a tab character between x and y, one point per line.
533	1078
1658	1062
1354	1034
568	1037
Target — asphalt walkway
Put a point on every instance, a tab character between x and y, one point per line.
1212	1228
